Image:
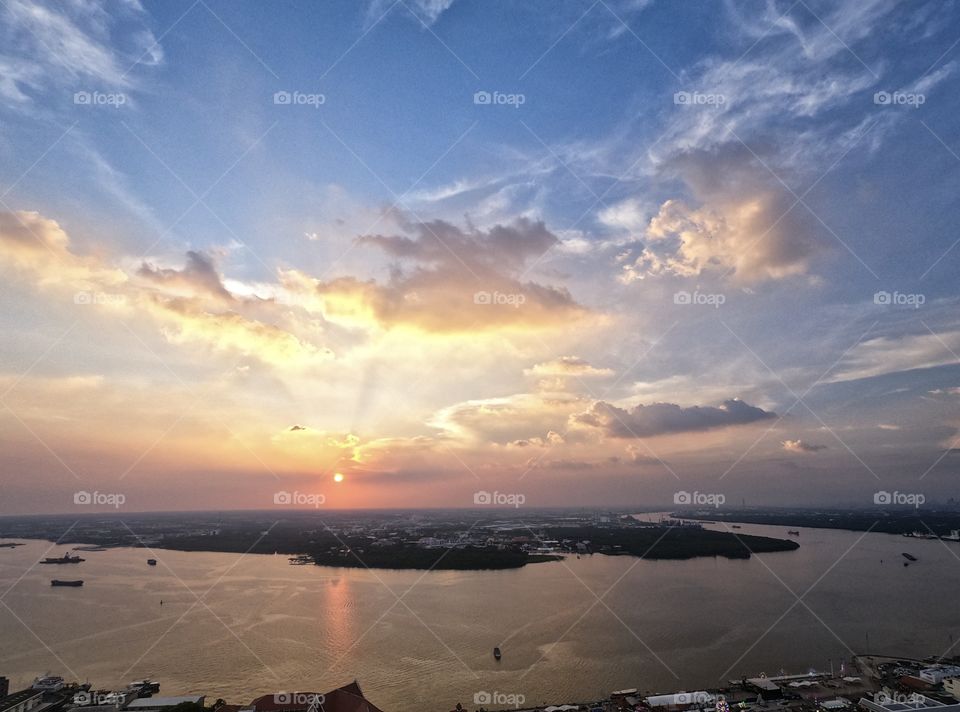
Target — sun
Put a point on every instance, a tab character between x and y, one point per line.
338	477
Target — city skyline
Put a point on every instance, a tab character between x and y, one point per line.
593	254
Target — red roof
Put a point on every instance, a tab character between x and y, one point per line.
348	698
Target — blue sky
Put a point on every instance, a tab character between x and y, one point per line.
316	262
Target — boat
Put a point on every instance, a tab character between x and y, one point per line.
58	582
793	533
65	559
496	653
90	548
151	562
735	526
909	557
9	544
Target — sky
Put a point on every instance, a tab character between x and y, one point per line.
605	253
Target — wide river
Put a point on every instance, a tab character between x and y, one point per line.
236	627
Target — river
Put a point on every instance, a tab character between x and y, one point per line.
238	626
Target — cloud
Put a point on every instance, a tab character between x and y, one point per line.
801	446
188	321
740	227
894	354
643	421
198	275
37	246
448	280
427	11
572	366
54	45
519	420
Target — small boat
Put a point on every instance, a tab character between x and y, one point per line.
58	582
9	544
793	533
496	653
735	526
90	548
65	559
151	562
909	557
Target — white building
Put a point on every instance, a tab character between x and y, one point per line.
936	673
952	686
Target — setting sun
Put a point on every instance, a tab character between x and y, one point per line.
338	477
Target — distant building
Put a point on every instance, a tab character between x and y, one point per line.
4	687
916	703
48	683
937	673
151	704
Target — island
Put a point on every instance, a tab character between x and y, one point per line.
434	539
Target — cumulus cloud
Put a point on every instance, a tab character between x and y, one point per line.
190	305
801	446
448	280
198	275
740	227
644	421
38	247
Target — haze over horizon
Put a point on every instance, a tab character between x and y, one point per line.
396	254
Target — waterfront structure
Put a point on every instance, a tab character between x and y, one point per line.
152	704
951	686
22	701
